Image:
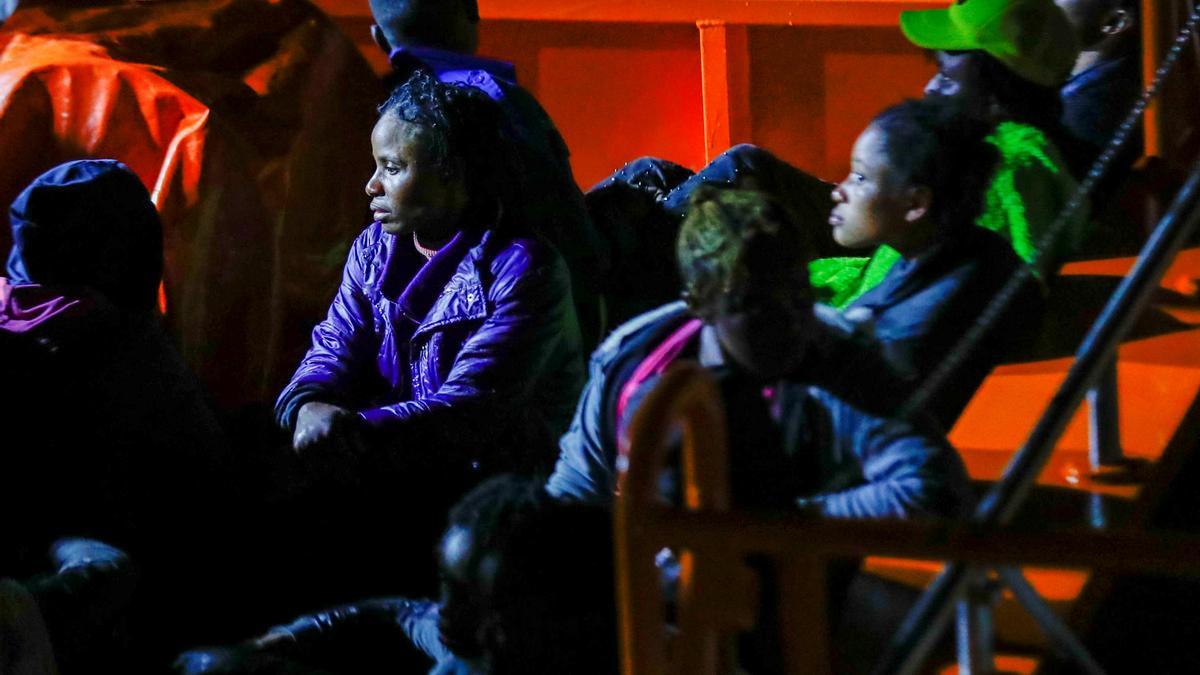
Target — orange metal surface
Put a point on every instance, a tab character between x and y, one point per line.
725	80
615	91
624	79
1159	377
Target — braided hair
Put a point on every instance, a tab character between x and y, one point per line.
462	130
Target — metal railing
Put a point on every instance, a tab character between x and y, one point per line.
926	621
717	594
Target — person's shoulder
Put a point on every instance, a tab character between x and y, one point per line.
976	261
633	330
496	88
988	251
370	243
526	249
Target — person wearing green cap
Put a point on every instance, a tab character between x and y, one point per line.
1005	60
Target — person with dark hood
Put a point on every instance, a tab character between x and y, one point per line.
108	434
441	37
639	237
239	116
108	412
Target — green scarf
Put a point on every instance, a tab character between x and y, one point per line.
1030	187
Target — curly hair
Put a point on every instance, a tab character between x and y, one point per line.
932	142
463	131
726	234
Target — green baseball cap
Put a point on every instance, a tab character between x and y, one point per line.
1032	37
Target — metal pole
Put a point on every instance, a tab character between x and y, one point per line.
923	625
976	651
1104	419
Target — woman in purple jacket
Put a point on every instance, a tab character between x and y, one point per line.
451	346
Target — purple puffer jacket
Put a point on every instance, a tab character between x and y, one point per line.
474	356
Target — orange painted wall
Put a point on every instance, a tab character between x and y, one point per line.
622	90
813	89
616	91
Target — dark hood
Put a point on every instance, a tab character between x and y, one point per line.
89	223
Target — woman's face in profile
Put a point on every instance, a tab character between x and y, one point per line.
409	195
867	211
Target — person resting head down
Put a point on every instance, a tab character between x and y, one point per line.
749	318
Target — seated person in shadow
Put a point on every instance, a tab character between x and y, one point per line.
450	351
69	619
638	235
748	316
1012	94
1107	77
114	427
1003	62
526	590
926	297
1102	90
111	436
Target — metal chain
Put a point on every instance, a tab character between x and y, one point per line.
999	304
